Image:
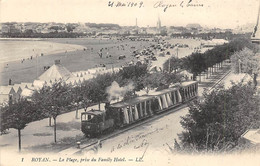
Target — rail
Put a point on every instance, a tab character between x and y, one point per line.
214	85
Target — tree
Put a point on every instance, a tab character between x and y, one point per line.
38	99
17	115
217	123
59	99
246	61
131	72
97	87
70	27
52	101
174	65
160	79
195	63
85	102
77	94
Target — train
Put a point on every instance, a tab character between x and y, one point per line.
125	113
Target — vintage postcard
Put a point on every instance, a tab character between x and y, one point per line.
129	82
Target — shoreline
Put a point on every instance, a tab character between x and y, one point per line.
80	59
31	50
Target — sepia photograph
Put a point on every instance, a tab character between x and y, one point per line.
129	82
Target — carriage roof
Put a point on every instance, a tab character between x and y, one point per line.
133	101
157	93
188	83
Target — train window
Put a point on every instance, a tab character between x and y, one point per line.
83	117
89	117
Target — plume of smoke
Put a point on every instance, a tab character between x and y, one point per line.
115	91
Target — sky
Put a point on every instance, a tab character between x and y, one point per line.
214	13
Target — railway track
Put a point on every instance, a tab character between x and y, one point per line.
94	142
218	82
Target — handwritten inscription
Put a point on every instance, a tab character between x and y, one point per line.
126	4
159	4
144	143
182	4
133	139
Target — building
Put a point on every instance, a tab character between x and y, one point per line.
251	139
255	38
158	25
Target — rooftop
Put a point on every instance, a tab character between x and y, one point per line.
252	135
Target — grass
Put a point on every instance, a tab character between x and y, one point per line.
68	126
55	147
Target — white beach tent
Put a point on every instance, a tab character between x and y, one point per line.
56	71
27	93
27	85
38	84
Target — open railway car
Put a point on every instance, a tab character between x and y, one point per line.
125	113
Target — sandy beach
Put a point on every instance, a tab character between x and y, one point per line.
76	54
16	50
71	52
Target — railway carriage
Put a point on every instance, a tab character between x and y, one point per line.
189	90
131	111
166	99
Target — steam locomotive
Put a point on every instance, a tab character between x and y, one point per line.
125	113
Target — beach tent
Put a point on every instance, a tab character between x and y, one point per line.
38	84
18	90
27	93
73	81
92	71
81	79
23	85
7	94
88	76
78	74
56	71
27	85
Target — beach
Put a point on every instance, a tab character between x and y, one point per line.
76	54
83	55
